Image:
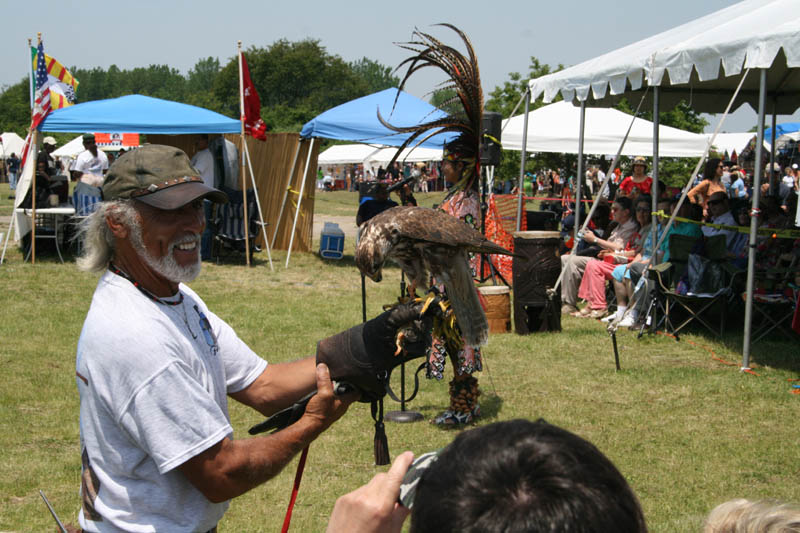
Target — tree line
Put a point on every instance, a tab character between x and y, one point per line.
297	80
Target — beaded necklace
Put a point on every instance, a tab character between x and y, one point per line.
170	304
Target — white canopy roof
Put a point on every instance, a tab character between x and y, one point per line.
12	144
408	155
71	149
555	128
728	142
342	154
685	61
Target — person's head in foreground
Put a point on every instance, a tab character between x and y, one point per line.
151	220
744	516
523	476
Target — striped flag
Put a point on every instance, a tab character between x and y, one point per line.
53	80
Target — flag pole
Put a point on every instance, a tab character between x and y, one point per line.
30	76
244	170
32	151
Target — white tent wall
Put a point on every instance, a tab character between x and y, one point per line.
343	154
382	157
555	128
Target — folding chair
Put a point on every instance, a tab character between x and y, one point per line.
228	225
682	308
85	199
775	300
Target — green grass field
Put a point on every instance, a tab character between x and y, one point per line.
686	430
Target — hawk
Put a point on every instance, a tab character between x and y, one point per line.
426	241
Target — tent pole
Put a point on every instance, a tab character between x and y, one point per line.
754	216
258	205
521	184
773	134
244	169
299	201
579	178
286	193
33	156
8	236
654	192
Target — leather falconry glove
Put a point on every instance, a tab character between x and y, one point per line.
364	356
361	358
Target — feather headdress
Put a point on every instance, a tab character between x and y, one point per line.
463	78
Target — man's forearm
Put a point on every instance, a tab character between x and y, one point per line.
260	459
279	386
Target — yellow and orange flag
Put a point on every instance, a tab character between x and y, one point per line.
61	82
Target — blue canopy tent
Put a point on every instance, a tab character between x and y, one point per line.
357	120
782	129
139	114
132	113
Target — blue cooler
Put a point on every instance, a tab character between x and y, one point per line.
331	242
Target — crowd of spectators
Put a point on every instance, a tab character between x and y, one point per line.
619	251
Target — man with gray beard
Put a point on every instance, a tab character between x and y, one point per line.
155	366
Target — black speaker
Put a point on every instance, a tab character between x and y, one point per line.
490	138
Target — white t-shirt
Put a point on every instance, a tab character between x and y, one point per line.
203	161
89	164
153	394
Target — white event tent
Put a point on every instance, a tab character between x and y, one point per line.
12	144
554	128
683	63
728	142
343	154
71	149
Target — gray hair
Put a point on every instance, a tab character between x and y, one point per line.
98	241
744	516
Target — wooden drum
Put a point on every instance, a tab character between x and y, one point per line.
534	310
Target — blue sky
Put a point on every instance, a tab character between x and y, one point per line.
505	34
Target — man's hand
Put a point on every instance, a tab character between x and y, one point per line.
325	408
373	507
364	355
590	237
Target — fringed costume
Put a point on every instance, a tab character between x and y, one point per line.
462	201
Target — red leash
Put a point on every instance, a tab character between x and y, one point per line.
295	489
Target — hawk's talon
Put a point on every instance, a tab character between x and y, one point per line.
399	343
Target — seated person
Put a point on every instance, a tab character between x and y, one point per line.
42	188
599	225
516	475
689	211
378	204
574	266
719	212
593	284
628	278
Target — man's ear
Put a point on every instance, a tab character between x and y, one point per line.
118	229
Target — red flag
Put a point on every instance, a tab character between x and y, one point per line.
251	114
